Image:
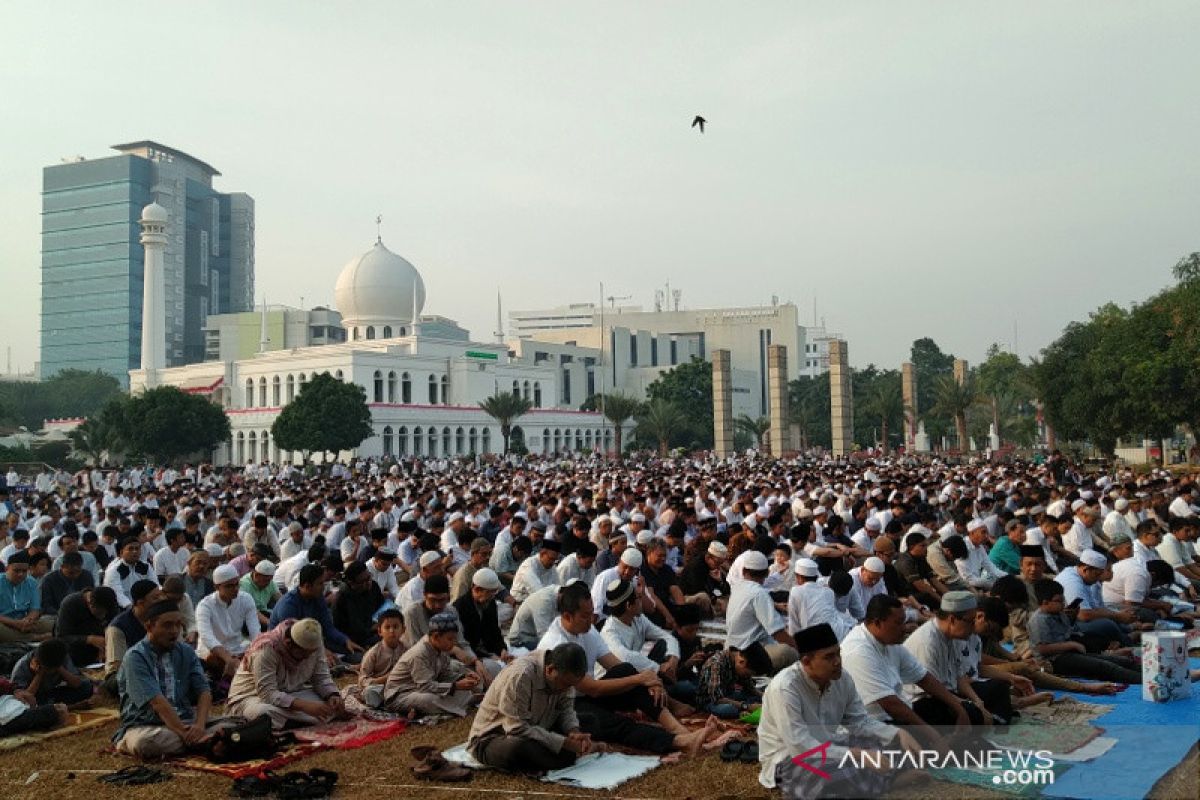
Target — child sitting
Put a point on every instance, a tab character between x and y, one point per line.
1053	635
50	676
379	660
726	684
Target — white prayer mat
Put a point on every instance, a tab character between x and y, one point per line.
602	771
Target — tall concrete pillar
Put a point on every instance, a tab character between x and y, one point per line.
777	391
154	298
908	389
960	371
722	379
841	398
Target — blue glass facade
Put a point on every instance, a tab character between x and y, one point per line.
92	261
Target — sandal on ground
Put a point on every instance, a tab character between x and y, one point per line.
255	785
120	776
749	753
732	751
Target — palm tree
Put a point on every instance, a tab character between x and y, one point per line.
660	420
755	427
618	408
505	408
886	402
954	400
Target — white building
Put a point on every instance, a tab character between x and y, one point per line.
640	345
576	315
228	337
423	383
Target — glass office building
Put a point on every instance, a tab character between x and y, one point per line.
92	257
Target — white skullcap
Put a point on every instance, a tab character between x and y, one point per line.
430	557
307	633
1091	558
1078	504
754	561
265	567
486	578
873	524
214	550
224	574
807	567
974	525
1122	504
645	537
717	550
455	517
819	510
1034	536
632	558
638	516
874	564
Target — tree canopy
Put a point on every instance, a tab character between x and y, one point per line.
166	424
688	387
327	416
70	393
505	408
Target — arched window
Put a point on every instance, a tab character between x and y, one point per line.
405	388
249	393
239	456
537	394
387	331
291	388
557	439
338	375
403	331
460	442
252	454
546	440
262	392
516	388
431	437
300	383
387	440
472	441
402	441
525	390
487	440
378	386
370	331
418	445
391	395
587	439
354	334
433	384
445	390
275	392
447	443
578	439
264	444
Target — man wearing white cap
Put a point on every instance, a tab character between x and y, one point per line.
1115	522
1079	538
812	603
259	583
1082	583
704	576
627	569
478	616
432	563
220	618
977	570
868	582
752	616
538	571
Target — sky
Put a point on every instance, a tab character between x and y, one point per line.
975	173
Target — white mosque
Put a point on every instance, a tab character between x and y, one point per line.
423	378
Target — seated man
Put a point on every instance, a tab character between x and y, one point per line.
726	682
426	680
436	600
527	721
533	617
580	564
284	675
623	688
752	616
811	603
976	569
165	699
49	674
127	569
479	617
1082	582
355	606
538	572
220	619
941	646
805	706
307	601
881	666
20	606
81	621
259	583
69	577
127	629
628	631
1055	637
20	713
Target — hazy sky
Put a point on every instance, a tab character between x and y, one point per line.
938	168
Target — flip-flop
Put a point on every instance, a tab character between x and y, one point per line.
255	785
120	776
749	753
732	751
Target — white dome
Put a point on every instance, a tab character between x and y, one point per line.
154	213
377	288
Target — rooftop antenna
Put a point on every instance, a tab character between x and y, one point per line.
658	300
263	341
676	294
379	229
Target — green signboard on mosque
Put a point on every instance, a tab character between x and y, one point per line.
477	354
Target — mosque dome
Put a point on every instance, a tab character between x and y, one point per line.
377	289
154	213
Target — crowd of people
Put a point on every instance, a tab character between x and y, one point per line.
550	599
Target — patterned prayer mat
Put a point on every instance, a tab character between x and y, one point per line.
1035	735
1066	711
80	721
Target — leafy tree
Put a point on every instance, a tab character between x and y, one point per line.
70	393
689	388
327	416
1187	269
661	421
929	364
505	408
619	409
167	424
954	400
755	428
885	404
98	438
809	408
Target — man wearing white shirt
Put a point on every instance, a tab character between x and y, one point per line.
295	539
172	559
1115	521
811	603
382	570
628	631
1181	506
868	582
581	564
535	573
977	570
1079	537
627	569
752	617
220	618
126	570
1178	551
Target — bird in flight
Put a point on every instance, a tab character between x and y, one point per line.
699	121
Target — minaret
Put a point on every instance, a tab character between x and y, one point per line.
499	320
263	340
154	308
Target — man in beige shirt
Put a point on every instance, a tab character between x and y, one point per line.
527	721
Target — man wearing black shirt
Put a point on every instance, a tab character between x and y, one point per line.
69	578
81	620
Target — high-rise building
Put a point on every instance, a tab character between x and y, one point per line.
92	259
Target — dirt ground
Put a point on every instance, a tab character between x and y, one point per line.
67	768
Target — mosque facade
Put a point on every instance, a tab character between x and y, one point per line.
423	389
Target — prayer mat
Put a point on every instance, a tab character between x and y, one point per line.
604	771
1035	735
984	779
342	735
80	721
1066	711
